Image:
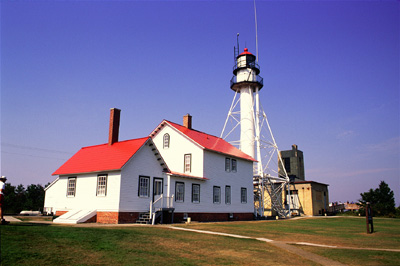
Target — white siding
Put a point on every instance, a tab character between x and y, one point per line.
85	193
143	163
187	205
210	165
214	168
179	146
52	195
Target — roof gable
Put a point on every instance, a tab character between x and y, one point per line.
206	141
102	157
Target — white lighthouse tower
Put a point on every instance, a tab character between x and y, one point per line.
256	138
247	82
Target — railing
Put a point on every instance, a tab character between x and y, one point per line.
246	65
165	202
259	80
47	210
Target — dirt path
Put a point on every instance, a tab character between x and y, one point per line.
290	248
305	254
339	247
11	219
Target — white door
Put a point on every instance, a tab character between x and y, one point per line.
294	200
157	188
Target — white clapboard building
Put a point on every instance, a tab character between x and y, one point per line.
175	173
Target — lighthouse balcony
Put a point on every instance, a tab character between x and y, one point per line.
246	64
259	80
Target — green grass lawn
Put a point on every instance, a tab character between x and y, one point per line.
333	231
43	244
357	257
36	244
337	231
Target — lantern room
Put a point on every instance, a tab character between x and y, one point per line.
246	70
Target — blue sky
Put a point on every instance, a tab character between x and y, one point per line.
330	69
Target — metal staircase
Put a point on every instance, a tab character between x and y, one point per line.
275	191
269	196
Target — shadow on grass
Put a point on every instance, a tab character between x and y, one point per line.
28	224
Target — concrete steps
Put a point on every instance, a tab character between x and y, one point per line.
144	218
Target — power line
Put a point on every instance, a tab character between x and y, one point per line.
30	155
5	144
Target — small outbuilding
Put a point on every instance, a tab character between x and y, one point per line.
309	198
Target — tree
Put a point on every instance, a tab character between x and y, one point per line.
381	200
9	198
18	198
34	197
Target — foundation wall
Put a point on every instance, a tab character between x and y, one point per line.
213	217
131	217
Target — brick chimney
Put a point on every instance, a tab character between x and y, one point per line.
187	121
114	126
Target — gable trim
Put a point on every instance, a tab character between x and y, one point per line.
52	183
166	122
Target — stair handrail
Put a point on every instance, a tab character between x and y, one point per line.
153	214
160	198
170	204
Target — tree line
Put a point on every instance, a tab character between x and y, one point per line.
19	198
381	200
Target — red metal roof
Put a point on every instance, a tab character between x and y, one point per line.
246	51
210	142
102	157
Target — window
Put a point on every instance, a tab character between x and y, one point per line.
216	194
286	162
166	141
179	191
144	186
234	165
227	194
227	164
71	186
195	193
101	185
230	165
243	195
188	163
